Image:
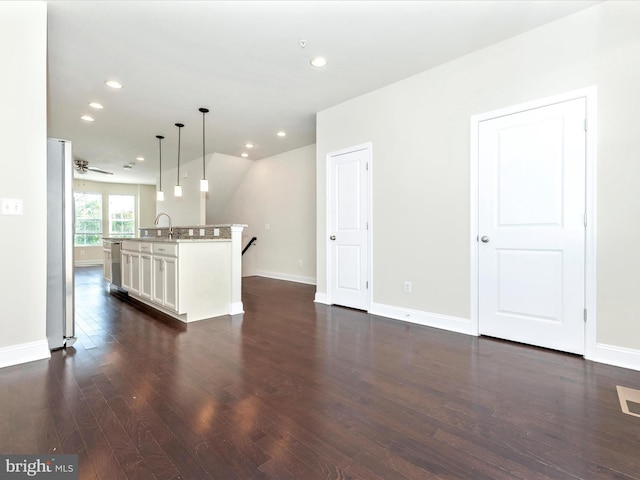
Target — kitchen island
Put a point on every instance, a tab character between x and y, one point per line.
189	273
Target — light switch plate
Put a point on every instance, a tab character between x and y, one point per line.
12	206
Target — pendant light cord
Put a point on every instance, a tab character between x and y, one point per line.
204	112
179	125
160	137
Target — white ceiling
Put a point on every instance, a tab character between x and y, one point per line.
243	61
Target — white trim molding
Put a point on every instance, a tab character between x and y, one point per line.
236	308
590	95
321	297
285	276
436	320
88	263
23	353
616	356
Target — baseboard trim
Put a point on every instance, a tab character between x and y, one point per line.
617	356
87	263
321	298
23	353
236	308
285	276
436	320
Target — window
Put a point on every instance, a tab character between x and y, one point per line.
121	215
88	218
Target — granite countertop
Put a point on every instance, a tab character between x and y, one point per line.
166	240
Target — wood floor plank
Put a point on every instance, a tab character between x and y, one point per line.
293	389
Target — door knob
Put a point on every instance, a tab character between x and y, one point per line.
484	239
332	237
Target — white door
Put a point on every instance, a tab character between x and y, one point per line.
348	244
531	226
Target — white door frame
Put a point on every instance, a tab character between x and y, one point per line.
590	94
329	189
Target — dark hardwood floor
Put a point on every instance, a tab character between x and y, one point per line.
295	390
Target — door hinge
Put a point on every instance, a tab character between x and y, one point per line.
585	314
585	125
366	165
367	284
367	225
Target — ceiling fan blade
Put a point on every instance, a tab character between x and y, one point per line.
99	170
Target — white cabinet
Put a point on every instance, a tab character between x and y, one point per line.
106	266
188	280
126	269
145	276
164	275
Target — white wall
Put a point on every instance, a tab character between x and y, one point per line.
278	191
23	135
145	211
419	129
190	209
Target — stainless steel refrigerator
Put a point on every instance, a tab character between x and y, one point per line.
60	230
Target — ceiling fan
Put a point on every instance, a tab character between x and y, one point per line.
82	166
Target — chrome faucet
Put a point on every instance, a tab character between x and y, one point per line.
170	227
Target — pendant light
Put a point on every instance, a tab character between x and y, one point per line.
177	191
160	193
204	183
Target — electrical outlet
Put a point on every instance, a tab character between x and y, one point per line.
81	252
216	232
191	232
299	263
159	233
202	232
267	226
408	286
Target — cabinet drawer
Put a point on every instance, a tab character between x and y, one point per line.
131	246
145	247
167	249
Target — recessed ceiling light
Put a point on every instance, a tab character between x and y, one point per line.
244	154
88	118
281	134
140	159
96	105
248	145
318	62
113	84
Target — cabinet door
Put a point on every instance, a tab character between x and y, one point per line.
157	291
171	283
135	273
126	271
145	276
106	267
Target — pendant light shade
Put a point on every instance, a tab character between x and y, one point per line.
204	183
178	188
160	193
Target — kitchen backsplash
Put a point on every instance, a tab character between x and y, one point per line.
197	231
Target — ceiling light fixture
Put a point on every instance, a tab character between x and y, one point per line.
88	118
281	134
140	159
248	145
160	193
177	190
96	105
318	62
113	84
204	183
244	154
